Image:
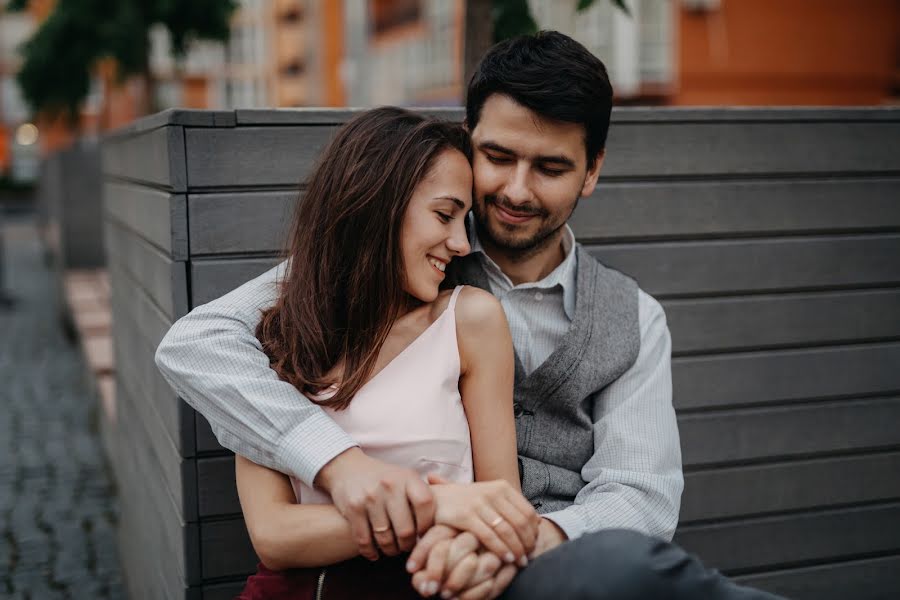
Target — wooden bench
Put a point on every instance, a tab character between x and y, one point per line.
772	238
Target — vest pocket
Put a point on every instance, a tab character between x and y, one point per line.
535	478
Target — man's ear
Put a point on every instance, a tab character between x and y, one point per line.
465	125
590	180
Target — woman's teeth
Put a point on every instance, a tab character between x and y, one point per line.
437	264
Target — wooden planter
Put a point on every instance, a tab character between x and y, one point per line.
771	237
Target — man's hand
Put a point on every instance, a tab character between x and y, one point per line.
497	514
390	502
452	563
549	537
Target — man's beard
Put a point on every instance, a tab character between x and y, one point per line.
519	247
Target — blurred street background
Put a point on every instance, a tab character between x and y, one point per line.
72	70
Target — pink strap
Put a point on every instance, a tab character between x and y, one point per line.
452	305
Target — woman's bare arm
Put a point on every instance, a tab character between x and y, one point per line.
492	508
285	534
486	385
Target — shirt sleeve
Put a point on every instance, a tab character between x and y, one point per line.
212	359
634	478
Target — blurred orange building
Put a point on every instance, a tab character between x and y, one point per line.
788	52
409	52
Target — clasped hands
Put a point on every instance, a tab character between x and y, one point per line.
467	540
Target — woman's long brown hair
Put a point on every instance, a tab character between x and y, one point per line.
343	288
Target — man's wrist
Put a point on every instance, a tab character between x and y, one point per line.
550	535
331	472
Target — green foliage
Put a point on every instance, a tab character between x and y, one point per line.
60	56
513	17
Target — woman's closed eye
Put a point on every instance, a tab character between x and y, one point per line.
444	217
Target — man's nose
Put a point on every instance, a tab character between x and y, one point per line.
518	189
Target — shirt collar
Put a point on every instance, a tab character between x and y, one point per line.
564	275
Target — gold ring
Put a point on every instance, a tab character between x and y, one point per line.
381	529
496	521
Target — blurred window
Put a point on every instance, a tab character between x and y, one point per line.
388	14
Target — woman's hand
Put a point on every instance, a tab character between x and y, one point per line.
454	564
493	511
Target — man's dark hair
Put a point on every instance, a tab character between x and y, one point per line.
550	74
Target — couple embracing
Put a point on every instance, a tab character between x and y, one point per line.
439	392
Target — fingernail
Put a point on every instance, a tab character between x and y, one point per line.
509	558
423	589
446	594
432	587
411	566
523	561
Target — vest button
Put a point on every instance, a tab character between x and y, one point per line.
517	409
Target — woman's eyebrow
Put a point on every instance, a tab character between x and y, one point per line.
453	199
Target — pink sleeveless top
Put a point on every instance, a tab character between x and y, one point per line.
410	413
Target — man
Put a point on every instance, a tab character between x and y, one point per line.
599	453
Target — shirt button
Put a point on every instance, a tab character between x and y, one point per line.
517	409
538	296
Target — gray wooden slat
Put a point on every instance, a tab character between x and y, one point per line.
784	431
627	114
243	156
656	209
187	117
867	579
754	322
725	148
327	116
257	221
216	489
784	376
163	279
178	474
137	330
77	207
791	540
205	438
226	549
158	526
769	488
240	222
211	279
148	317
757	265
154	156
159	217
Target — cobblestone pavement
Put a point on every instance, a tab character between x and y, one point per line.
57	503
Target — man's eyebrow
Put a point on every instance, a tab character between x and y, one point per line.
558	159
495	147
453	199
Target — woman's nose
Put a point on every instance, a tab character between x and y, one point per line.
458	243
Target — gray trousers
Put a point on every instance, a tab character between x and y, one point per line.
623	565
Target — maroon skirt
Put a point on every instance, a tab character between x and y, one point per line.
357	578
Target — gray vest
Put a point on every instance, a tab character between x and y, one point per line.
554	404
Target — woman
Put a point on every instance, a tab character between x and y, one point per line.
417	375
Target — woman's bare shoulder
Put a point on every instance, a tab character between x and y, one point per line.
478	312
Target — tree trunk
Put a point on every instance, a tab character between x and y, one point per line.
479	32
